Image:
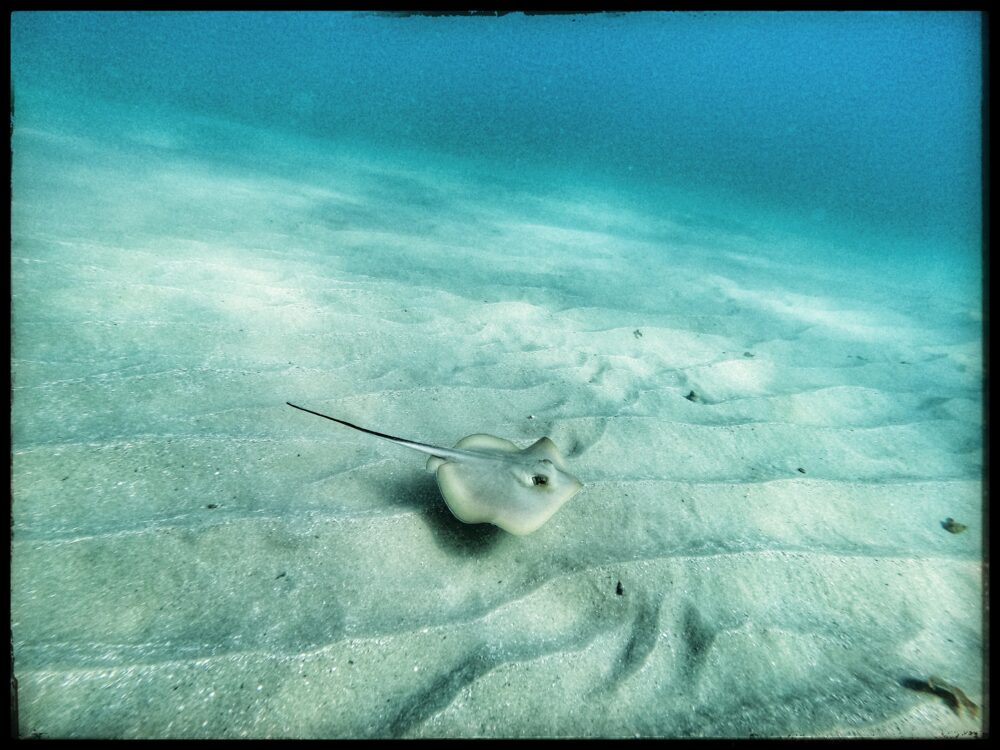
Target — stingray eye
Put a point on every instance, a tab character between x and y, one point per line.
538	479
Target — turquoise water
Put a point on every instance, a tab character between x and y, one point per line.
729	262
845	122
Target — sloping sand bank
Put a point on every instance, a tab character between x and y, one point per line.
770	448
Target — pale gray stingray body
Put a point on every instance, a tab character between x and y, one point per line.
486	479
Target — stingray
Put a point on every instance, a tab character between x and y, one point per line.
486	479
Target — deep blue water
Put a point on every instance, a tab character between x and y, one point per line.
849	125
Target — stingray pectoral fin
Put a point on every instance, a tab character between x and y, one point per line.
483	492
477	442
466	490
545	448
482	442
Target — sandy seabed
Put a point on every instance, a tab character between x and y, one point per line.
770	447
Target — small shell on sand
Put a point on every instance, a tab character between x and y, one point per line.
953	526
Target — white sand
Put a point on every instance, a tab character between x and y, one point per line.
192	558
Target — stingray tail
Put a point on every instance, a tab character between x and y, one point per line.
433	450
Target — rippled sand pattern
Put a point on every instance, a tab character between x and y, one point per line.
769	447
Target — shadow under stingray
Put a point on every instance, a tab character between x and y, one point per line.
451	535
